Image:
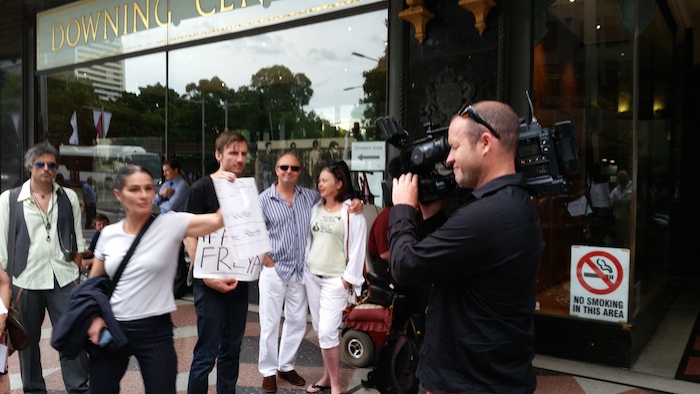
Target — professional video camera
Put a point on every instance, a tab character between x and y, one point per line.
421	158
545	157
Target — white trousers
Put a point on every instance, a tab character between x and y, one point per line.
327	300
274	295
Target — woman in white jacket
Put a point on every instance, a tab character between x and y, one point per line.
334	262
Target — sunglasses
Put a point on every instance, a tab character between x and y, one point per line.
469	112
286	167
40	165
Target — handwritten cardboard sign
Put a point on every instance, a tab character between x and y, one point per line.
215	259
237	249
243	216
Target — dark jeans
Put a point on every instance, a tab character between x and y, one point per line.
32	306
151	341
180	286
90	212
221	321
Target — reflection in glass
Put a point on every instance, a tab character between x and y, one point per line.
284	92
583	72
10	124
99	127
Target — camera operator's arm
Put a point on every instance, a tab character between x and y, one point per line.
405	192
405	222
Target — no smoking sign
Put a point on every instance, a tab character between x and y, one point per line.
599	272
599	283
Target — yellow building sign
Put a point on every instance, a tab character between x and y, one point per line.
90	30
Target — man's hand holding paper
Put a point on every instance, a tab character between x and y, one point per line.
235	251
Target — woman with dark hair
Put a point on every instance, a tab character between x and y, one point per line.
143	297
335	258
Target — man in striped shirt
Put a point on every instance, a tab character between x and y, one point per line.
287	209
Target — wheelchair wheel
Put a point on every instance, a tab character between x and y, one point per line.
357	348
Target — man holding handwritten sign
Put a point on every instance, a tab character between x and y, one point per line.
221	303
236	250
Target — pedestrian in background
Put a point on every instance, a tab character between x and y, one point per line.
378	239
172	196
621	198
89	201
173	193
60	179
483	262
101	221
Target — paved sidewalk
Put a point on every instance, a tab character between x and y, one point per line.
309	365
309	362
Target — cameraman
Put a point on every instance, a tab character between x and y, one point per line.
483	261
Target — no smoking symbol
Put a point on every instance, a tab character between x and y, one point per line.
606	275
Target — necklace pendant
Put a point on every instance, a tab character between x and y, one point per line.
48	226
48	238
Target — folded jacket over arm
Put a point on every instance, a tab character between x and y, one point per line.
86	302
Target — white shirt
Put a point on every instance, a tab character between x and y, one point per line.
45	260
145	288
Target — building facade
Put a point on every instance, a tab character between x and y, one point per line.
610	82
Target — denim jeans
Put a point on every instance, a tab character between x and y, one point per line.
221	321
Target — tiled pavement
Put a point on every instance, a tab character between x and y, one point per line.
309	365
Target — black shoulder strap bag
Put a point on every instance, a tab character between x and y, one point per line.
126	258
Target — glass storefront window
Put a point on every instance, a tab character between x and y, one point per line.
104	116
584	71
11	124
313	90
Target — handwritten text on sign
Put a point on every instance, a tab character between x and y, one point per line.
243	217
215	259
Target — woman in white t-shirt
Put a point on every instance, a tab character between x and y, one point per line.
335	259
143	297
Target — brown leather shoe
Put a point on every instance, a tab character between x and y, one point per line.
292	377
269	384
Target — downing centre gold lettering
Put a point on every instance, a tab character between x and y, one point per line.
86	28
224	7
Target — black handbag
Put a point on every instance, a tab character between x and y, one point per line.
17	337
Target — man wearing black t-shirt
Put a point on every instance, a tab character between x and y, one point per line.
221	304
